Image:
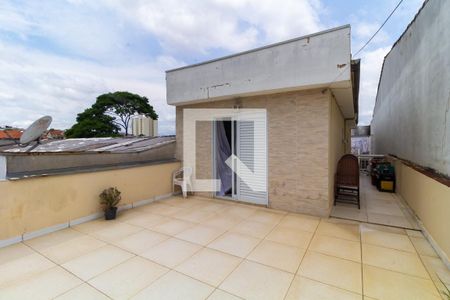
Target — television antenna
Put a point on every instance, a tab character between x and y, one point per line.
34	132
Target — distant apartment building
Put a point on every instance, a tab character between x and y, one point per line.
144	126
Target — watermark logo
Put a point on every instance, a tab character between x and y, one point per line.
248	161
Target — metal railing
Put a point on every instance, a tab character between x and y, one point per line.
364	160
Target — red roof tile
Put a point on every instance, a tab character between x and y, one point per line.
11	133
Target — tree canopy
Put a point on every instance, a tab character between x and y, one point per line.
93	123
109	114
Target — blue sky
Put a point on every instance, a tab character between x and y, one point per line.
56	57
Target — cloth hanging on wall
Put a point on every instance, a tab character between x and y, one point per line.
223	153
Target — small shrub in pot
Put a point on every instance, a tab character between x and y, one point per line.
109	198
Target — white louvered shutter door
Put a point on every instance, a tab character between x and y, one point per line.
250	144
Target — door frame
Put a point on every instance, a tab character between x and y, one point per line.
214	157
258	201
235	195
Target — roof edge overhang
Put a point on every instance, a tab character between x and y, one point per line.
346	93
264	92
260	48
293	65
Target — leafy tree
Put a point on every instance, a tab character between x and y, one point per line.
110	113
123	105
93	123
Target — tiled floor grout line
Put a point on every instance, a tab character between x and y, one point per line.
301	260
307	249
373	223
226	230
426	269
174	267
264	238
329	255
87	281
187	258
134	255
398	272
75	287
331	236
156	279
257	262
60	265
138	255
333	256
400	250
368	189
244	258
362	262
217	288
331	285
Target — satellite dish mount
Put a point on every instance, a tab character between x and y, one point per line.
34	132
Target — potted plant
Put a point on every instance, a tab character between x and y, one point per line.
109	198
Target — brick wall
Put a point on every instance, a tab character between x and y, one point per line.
298	139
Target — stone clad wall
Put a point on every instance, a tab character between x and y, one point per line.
298	140
339	143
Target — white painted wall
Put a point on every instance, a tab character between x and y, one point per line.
308	62
411	116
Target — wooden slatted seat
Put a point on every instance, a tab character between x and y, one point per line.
346	181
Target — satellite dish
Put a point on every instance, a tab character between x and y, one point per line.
35	130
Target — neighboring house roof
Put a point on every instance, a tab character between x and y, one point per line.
10	134
95	145
71	156
55	133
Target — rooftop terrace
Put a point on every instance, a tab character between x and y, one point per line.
202	248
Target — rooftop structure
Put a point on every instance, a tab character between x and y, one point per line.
318	61
54	243
81	155
307	88
10	134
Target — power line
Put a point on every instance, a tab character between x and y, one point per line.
371	38
385	21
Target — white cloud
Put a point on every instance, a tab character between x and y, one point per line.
363	31
86	52
89	48
38	84
12	20
371	62
364	24
86	30
231	25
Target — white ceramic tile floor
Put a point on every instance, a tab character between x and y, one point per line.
201	248
376	208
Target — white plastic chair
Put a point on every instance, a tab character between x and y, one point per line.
182	177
